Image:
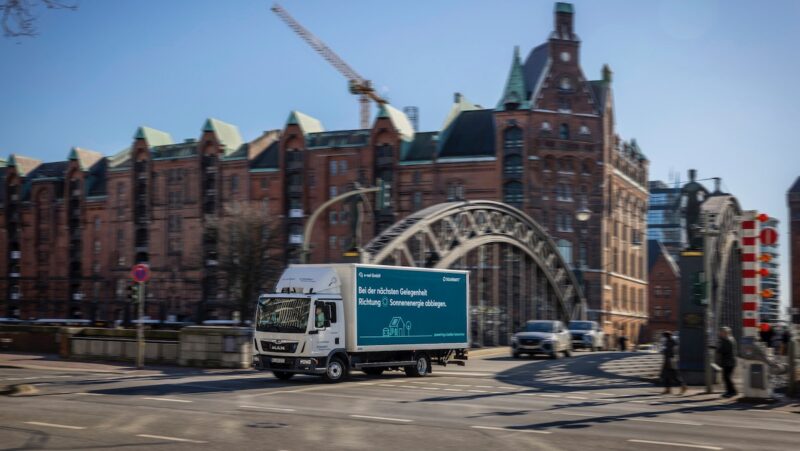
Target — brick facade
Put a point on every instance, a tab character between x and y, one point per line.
664	288
549	147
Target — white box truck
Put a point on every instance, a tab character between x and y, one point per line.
330	319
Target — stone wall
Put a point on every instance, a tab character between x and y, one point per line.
214	347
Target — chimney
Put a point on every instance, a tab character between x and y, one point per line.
457	97
692	174
563	21
717	182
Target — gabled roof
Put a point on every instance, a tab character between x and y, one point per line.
656	249
515	91
471	134
96	181
796	187
399	120
460	104
227	134
306	123
153	137
86	158
535	65
53	171
268	159
121	159
423	148
23	165
599	91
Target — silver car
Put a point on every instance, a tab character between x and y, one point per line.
542	337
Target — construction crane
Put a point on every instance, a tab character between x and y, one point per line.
357	84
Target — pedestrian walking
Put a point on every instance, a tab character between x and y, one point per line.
785	337
669	371
623	342
726	358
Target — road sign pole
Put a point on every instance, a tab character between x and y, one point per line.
140	329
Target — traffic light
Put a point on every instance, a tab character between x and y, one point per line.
699	289
133	293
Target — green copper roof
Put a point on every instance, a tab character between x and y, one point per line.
307	123
514	92
460	104
86	158
399	120
227	134
120	159
153	137
24	165
562	7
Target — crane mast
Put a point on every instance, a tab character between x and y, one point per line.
357	84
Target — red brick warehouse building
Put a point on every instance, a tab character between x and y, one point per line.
549	147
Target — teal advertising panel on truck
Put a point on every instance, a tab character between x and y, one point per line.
410	306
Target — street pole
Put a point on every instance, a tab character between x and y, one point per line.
708	234
140	328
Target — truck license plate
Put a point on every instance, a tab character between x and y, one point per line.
278	360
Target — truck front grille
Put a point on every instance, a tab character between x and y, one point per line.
278	347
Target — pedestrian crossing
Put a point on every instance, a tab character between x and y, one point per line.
641	366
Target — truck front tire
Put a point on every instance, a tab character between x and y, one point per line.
336	370
283	375
420	369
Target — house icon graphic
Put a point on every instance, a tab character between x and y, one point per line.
397	328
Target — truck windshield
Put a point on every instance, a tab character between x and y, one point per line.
282	314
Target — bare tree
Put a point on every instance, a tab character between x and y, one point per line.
19	16
250	252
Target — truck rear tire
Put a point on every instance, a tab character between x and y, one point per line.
373	371
420	369
336	370
283	375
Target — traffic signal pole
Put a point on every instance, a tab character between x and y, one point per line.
140	328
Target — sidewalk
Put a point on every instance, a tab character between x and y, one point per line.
54	363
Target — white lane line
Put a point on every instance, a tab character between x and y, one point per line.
452	389
168	399
387	385
477	391
640	402
174	439
461	385
576	397
686	445
485	386
89	394
549	396
459	373
604	394
367	417
494	428
439	383
647	420
430	388
53	425
277	409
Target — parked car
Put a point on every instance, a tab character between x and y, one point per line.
586	335
542	337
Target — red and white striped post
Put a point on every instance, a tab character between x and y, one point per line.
751	279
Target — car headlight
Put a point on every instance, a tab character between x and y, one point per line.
514	339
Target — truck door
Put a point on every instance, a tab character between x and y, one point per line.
331	329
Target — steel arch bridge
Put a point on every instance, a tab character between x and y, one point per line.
533	275
722	221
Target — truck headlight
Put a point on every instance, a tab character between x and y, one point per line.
306	361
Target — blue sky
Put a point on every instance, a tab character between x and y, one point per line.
700	84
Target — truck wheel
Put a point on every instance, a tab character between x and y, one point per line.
420	369
514	354
554	355
336	371
373	371
283	375
567	353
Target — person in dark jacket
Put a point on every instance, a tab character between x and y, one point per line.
726	357
669	374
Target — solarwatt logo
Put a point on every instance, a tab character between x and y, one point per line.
451	279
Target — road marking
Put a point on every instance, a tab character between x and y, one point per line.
485	386
168	399
89	394
461	385
688	423
576	397
367	417
477	391
53	425
387	385
439	383
429	388
640	402
494	428
174	439
277	409
459	373
604	394
687	445
452	389
549	396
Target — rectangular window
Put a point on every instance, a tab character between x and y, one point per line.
333	217
332	242
234	183
263	183
333	167
342	166
333	191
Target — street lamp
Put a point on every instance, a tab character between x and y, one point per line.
583	214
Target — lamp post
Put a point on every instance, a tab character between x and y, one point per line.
582	216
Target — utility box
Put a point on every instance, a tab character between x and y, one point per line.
756	380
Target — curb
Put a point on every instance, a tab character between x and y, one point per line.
483	352
57	368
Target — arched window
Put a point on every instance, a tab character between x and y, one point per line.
565	249
512	193
565	84
512	140
563	131
512	164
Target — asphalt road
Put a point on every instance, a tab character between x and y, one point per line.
492	403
